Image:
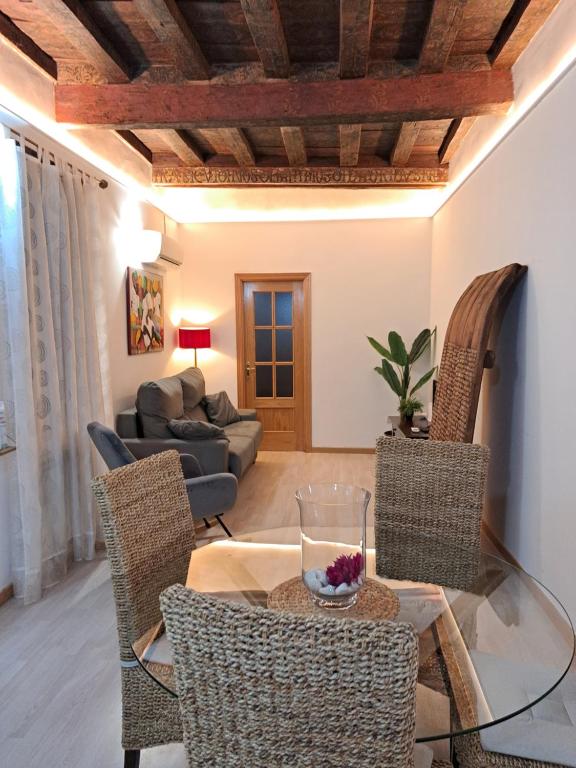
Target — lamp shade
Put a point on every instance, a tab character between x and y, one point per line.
194	338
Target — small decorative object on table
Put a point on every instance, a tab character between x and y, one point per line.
333	538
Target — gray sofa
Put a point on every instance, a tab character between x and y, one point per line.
144	428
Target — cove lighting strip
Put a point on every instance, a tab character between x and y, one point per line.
517	113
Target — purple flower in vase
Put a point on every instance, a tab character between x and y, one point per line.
345	569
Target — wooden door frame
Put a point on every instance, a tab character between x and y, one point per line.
277	277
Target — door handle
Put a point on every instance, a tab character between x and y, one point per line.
249	368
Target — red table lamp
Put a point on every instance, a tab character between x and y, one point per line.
194	338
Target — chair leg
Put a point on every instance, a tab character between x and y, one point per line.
223	525
131	758
207	523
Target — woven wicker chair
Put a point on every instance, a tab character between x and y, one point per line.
465	353
428	510
289	690
149	533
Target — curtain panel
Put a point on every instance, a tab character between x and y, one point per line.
52	355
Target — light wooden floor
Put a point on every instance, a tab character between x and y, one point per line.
59	670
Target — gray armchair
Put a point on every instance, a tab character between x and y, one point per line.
209	495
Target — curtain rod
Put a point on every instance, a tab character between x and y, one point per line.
33	149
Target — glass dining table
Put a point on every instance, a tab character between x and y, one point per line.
491	646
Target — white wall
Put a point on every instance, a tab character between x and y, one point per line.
520	206
368	277
125	216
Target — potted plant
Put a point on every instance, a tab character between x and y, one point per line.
399	377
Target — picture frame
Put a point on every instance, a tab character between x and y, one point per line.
145	311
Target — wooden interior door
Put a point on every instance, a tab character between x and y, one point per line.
273	357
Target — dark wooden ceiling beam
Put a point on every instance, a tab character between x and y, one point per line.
27	46
355	30
286	103
350	137
309	176
454	136
75	23
172	29
293	138
309	72
238	145
443	27
132	141
182	145
518	28
404	143
265	25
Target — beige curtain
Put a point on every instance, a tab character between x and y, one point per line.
53	335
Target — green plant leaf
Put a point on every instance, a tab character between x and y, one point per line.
391	377
405	379
409	406
420	345
397	348
382	351
423	380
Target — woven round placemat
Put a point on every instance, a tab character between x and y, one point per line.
375	601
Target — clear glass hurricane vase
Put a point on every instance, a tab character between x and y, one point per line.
333	540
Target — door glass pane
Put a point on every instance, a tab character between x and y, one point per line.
264	381
262	308
284	381
263	345
283	300
283	345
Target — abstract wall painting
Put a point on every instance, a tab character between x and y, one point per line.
145	301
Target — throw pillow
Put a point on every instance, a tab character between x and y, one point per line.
186	429
220	410
157	402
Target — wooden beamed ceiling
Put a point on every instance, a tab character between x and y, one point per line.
280	92
172	30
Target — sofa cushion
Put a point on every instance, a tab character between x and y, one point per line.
247	414
251	429
547	731
241	454
198	413
220	410
433	716
158	402
193	387
187	429
127	423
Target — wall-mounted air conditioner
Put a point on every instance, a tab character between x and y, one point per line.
158	249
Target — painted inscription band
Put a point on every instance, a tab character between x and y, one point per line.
370	177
